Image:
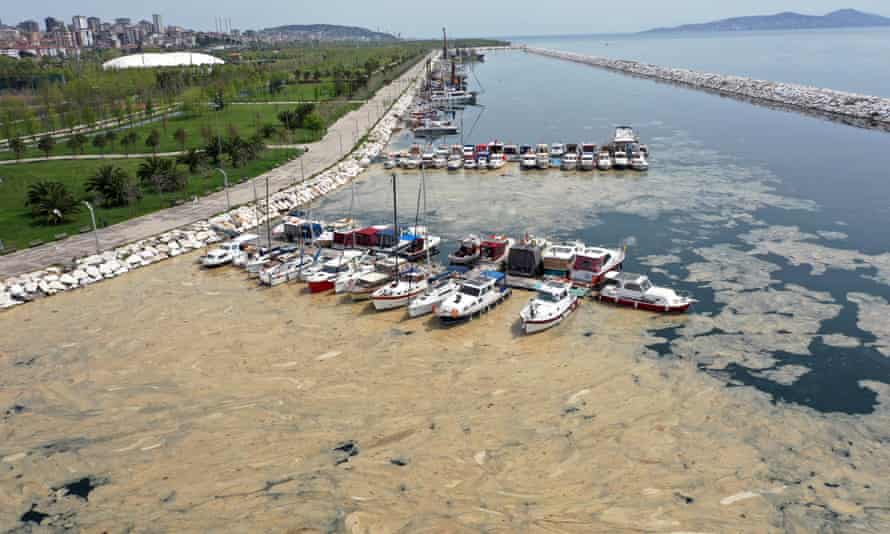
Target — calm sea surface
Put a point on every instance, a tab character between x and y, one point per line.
777	221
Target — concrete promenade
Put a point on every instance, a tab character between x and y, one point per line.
341	137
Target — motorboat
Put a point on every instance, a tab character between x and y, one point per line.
636	291
439	288
569	161
511	153
367	283
469	163
419	246
524	258
469	151
401	291
604	161
476	296
392	160
620	160
411	162
325	278
529	161
496	161
557	150
482	161
345	282
288	271
266	258
468	253
494	251
587	162
543	156
592	263
455	163
426	160
433	128
226	253
439	161
558	257
625	134
553	302
638	162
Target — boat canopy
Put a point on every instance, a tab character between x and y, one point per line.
366	237
524	260
493	249
344	237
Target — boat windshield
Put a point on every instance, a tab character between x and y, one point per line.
470	290
330	269
645	285
547	296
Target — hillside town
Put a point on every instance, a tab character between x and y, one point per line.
56	38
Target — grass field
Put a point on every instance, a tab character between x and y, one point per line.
18	229
245	119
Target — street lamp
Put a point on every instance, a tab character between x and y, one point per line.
93	218
340	135
226	187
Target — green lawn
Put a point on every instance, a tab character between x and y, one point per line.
245	119
18	229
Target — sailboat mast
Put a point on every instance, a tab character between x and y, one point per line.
395	221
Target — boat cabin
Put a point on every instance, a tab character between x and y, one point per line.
624	134
493	249
552	291
591	260
366	237
588	148
511	152
526	149
525	260
636	283
571	148
543	149
344	238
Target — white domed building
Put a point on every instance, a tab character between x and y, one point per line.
170	59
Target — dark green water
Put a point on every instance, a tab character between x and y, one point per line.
775	220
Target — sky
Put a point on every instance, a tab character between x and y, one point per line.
419	18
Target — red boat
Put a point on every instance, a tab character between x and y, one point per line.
592	263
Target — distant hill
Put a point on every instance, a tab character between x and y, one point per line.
327	32
845	18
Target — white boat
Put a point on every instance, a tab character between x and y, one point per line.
496	161
588	157
288	271
468	253
482	162
227	252
557	150
439	161
553	302
411	162
344	283
400	292
604	161
569	161
455	163
494	251
636	291
528	161
367	283
390	163
469	163
624	135
438	290
619	160
592	263
426	160
638	162
543	156
558	257
511	153
469	151
476	296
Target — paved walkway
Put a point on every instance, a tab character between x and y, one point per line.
322	154
138	155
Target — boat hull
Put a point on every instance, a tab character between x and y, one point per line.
530	326
647	306
321	286
383	303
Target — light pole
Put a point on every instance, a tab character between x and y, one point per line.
302	170
340	135
226	187
93	218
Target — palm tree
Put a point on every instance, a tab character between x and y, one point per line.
153	141
76	143
194	159
181	136
51	201
17	146
112	184
111	138
46	144
99	141
161	175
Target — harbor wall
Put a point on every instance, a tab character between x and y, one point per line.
852	108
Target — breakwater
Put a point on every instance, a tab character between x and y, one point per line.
852	108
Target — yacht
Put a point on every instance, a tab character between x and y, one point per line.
553	302
482	160
469	163
624	135
638	162
496	161
619	159
636	291
529	161
439	288
367	283
558	257
604	161
543	156
440	161
469	151
455	163
426	160
569	161
285	272
588	157
557	150
592	263
476	296
511	153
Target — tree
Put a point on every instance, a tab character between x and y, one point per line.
214	149
293	119
314	122
153	141
99	141
277	85
51	202
149	108
46	144
161	175
18	147
194	159
112	185
76	143
237	150
111	138
129	139
267	130
181	137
